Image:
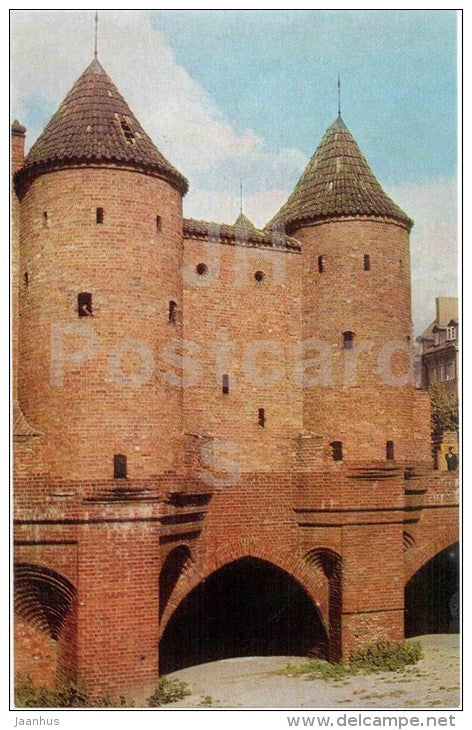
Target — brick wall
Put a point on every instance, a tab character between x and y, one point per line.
365	410
99	407
250	331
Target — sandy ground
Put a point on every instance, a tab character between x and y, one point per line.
248	682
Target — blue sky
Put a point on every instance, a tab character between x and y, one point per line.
276	72
244	94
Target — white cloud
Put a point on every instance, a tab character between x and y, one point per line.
434	251
50	50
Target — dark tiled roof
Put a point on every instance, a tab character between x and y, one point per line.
18	129
247	235
243	220
95	124
337	182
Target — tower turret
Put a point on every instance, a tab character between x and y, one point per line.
101	289
356	304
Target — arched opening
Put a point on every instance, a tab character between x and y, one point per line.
249	607
174	565
329	564
432	596
45	624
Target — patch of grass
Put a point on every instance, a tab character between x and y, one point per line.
27	694
315	669
386	656
383	656
206	701
167	691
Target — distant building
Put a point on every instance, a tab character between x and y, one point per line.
440	347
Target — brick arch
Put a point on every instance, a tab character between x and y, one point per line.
328	563
210	561
416	558
42	597
45	624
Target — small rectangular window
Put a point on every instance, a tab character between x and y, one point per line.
45	219
451	333
261	417
451	370
348	340
119	466
158	223
390	450
172	311
84	304
320	264
366	262
99	215
337	450
225	383
127	131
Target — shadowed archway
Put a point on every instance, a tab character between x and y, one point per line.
248	607
45	624
432	595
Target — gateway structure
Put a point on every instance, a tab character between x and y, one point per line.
219	449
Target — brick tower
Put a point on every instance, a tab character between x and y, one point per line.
101	255
216	431
356	306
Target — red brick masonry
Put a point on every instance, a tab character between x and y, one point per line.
104	563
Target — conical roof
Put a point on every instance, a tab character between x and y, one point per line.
244	222
94	124
337	183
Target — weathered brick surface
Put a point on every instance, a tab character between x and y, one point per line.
204	478
132	271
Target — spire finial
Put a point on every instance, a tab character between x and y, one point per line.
339	95
96	34
241	195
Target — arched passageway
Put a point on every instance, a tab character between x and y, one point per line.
249	607
174	565
432	596
45	624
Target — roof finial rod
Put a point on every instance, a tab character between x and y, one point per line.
241	195
339	95
96	34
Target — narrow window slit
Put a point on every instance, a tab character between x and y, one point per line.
366	262
84	304
158	223
321	266
99	215
348	340
262	417
120	467
225	383
337	450
127	131
390	452
45	219
172	311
